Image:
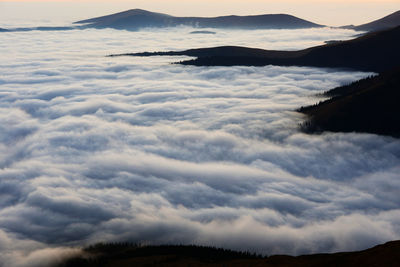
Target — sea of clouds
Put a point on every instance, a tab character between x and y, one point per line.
99	149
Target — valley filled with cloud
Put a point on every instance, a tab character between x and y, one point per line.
103	149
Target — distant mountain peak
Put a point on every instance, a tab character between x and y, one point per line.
135	19
123	15
389	21
138	11
395	14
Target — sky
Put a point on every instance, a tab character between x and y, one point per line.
328	12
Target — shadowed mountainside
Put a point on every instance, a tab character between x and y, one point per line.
122	255
135	19
390	21
377	51
370	105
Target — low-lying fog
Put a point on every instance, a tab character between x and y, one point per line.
94	148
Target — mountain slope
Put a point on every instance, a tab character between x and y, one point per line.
137	18
369	105
377	51
130	19
390	21
130	255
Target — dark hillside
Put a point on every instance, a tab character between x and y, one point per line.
371	105
135	19
121	255
377	51
390	21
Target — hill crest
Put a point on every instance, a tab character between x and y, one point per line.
389	21
135	19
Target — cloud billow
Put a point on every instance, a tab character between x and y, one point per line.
131	149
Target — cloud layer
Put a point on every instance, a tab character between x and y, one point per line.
136	149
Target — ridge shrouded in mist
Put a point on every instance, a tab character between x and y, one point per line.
376	51
389	21
135	19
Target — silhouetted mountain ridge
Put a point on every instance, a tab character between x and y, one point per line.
122	255
387	22
370	105
377	51
135	19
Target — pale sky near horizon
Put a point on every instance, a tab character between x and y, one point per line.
327	12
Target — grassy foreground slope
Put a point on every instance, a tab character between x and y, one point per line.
123	255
